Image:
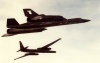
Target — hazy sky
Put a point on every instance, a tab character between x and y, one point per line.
80	42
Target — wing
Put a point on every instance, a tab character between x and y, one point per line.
21	57
7	35
46	46
26	55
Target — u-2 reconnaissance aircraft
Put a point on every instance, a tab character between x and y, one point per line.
44	49
38	23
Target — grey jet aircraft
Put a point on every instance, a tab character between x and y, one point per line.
44	49
38	23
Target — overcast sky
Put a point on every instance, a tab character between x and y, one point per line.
80	43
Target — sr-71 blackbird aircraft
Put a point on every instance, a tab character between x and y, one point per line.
44	49
38	23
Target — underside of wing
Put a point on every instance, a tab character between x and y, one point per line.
11	32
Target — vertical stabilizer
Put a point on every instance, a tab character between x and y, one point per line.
29	13
22	48
21	45
11	22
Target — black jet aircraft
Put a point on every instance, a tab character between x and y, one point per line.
44	49
38	23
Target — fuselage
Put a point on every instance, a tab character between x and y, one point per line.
38	51
39	24
46	18
48	23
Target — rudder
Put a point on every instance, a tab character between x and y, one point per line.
11	22
21	45
29	13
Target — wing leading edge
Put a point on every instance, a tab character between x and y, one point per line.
26	55
46	46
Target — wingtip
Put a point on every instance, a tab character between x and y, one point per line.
6	35
59	38
19	41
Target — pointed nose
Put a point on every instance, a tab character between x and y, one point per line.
86	20
44	29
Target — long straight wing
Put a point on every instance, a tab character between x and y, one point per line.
46	46
21	57
26	55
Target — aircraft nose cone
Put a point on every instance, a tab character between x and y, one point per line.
86	20
44	29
